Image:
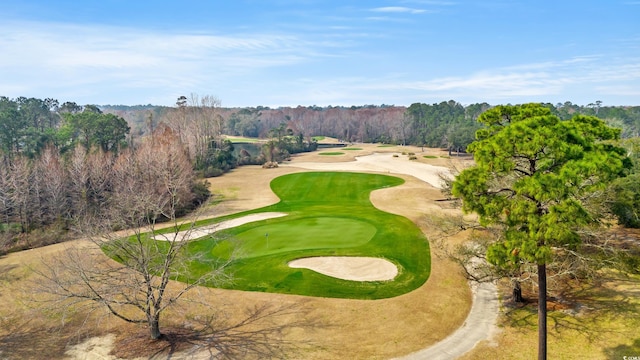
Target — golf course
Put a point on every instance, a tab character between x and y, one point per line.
334	248
328	214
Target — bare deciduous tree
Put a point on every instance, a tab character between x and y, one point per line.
134	280
20	191
53	182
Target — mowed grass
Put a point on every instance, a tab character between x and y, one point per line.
331	153
329	214
300	234
242	139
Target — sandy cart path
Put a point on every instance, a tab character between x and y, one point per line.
384	163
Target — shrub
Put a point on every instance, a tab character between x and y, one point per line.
201	193
211	171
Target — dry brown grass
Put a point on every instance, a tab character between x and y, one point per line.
337	328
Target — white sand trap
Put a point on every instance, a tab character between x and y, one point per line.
349	267
206	230
386	163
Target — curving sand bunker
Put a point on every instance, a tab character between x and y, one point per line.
206	230
349	267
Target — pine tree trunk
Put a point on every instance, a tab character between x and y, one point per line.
542	312
517	292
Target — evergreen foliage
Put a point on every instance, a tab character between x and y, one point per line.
533	173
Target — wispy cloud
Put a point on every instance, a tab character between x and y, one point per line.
67	46
583	76
329	56
429	2
398	9
51	55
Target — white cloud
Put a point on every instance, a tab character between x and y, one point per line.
577	79
127	65
64	46
430	2
398	9
59	58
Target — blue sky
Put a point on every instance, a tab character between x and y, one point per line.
307	52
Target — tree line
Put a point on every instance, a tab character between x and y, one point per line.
43	198
43	144
447	124
64	164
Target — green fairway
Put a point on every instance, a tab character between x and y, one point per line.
331	153
329	214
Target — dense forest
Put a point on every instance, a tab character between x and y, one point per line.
63	162
447	124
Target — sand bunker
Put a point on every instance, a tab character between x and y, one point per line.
349	267
341	267
207	230
385	163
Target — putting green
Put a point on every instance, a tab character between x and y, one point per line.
303	234
329	214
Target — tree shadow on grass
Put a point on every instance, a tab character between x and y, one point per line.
33	335
624	351
591	310
259	334
6	275
20	341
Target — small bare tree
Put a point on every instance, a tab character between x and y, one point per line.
134	280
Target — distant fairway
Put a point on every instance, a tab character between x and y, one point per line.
329	215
